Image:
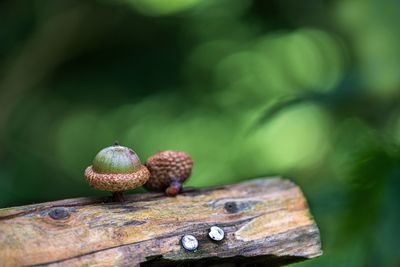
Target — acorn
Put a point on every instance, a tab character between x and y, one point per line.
168	171
116	169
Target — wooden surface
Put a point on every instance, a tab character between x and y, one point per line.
266	221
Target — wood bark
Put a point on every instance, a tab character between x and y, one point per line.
266	223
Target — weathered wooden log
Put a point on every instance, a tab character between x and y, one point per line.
266	221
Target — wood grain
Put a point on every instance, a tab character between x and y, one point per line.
266	221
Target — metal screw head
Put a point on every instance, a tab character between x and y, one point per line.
190	242
216	233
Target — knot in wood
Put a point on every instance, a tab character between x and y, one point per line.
59	213
231	207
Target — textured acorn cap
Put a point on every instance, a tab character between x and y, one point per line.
117	182
115	169
167	167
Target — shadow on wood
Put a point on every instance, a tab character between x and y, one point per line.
266	221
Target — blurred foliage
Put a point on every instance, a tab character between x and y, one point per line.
304	89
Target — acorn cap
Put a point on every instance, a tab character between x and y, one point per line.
115	169
168	168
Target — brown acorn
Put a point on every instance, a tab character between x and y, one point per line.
168	171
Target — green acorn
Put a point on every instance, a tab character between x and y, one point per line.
116	169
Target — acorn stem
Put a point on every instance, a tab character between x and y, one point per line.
174	188
118	196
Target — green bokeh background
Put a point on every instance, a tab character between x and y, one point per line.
307	90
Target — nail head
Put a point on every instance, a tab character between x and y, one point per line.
189	242
216	233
